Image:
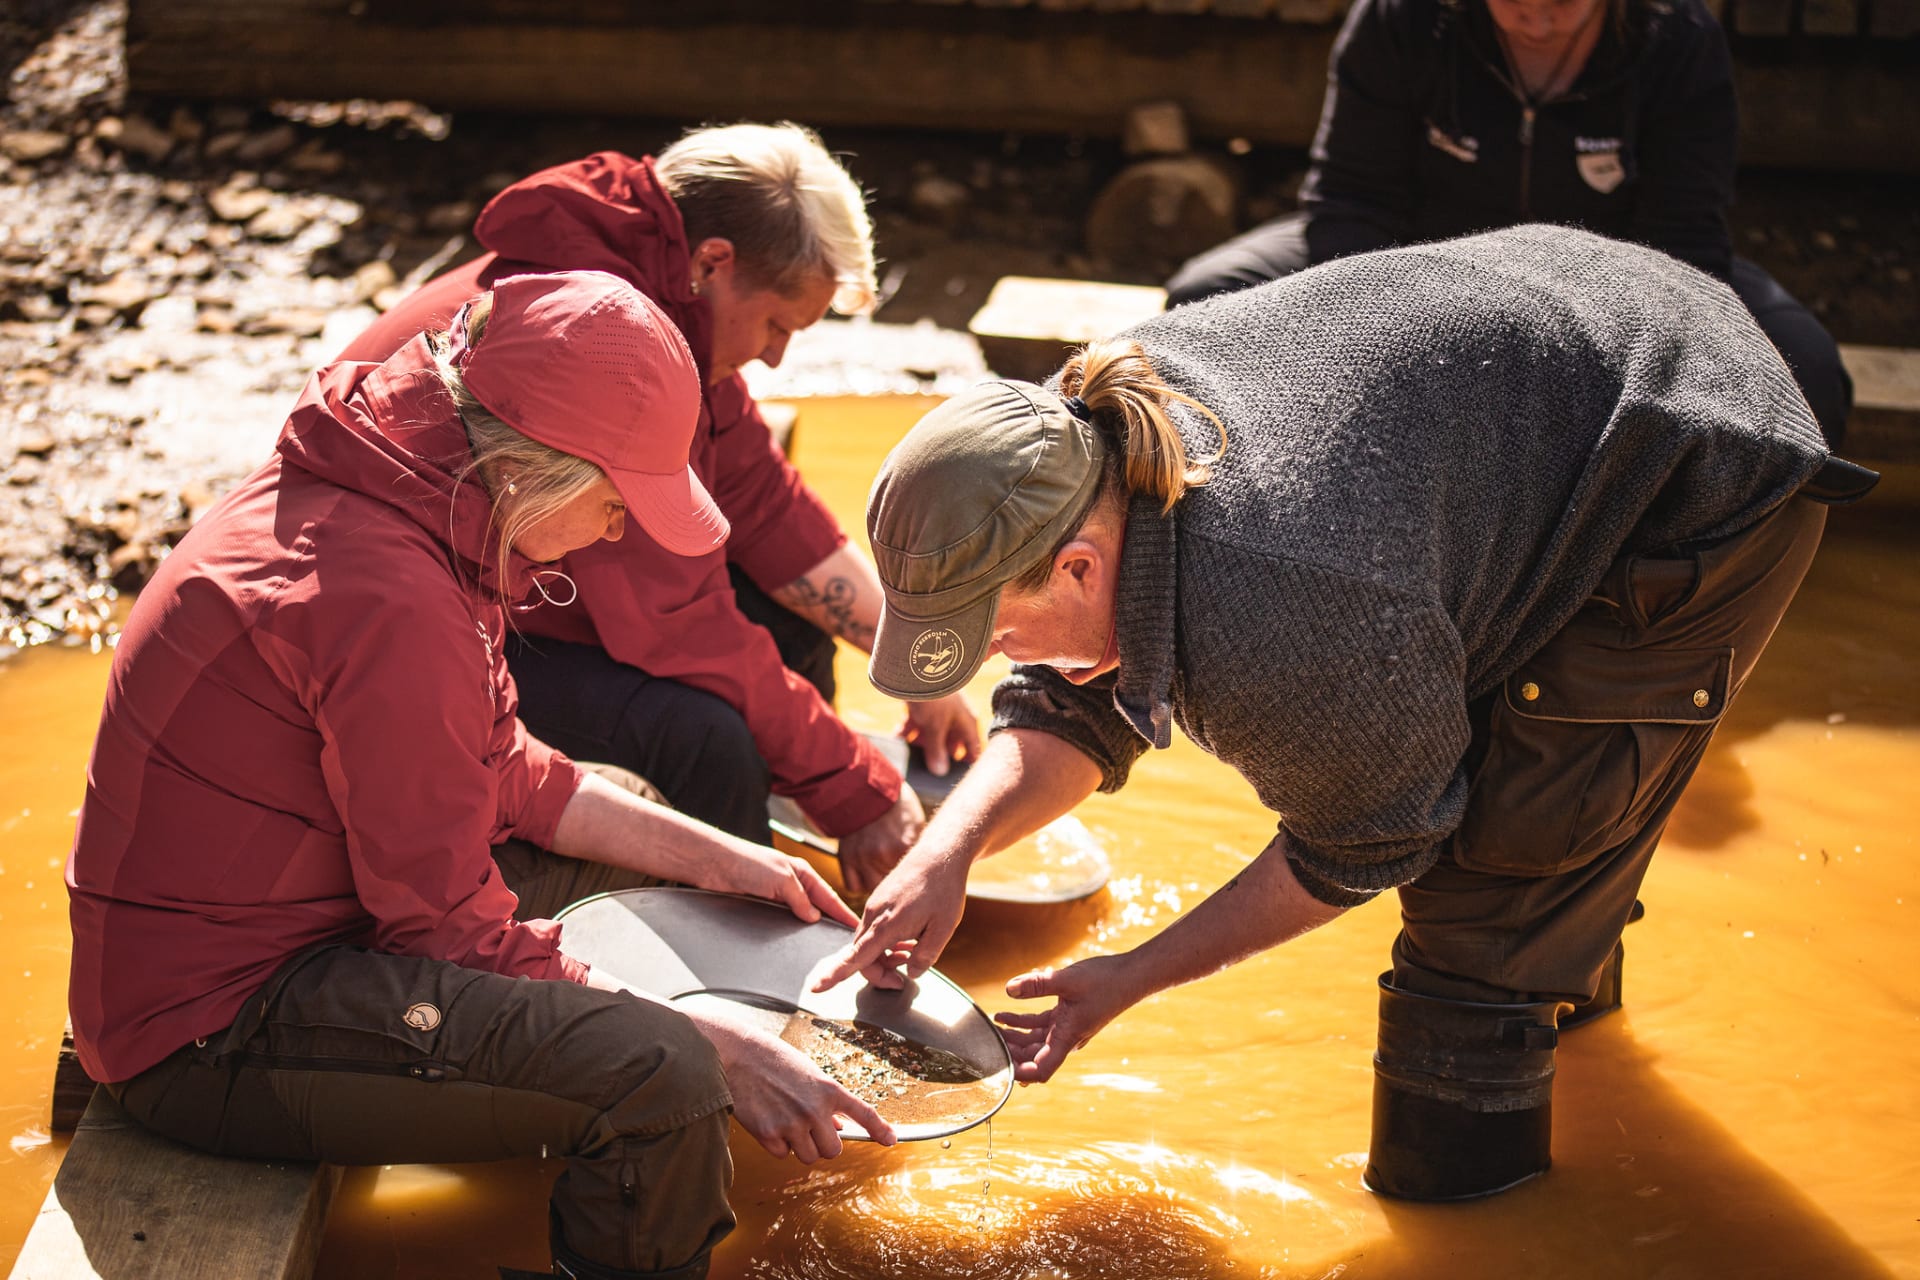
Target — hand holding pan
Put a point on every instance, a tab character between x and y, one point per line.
925	1056
1062	862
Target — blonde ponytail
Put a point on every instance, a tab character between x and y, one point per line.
1127	402
1124	394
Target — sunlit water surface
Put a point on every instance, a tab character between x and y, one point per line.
1752	1113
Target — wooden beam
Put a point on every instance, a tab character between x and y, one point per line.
129	1205
918	66
1830	17
1840	114
1885	426
1033	69
1029	326
1762	17
72	1086
1895	19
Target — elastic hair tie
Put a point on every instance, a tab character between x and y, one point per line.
1078	408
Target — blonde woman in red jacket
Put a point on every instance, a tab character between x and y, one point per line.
713	676
311	804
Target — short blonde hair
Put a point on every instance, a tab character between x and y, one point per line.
790	210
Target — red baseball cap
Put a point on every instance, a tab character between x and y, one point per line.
585	363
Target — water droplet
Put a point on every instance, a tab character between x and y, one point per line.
946	1144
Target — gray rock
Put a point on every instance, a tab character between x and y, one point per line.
282	219
939	200
1156	129
259	148
184	125
239	200
136	134
373	279
317	159
31	145
124	294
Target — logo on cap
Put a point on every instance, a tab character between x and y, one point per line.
935	654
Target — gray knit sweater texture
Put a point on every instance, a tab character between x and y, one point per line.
1434	453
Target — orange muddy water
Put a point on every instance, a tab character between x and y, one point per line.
1754	1111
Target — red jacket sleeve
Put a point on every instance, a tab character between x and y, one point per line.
675	617
427	767
535	781
781	528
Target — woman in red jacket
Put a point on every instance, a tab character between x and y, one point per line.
712	676
311	804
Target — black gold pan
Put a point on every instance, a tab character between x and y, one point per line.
692	946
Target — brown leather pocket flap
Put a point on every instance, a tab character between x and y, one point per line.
1592	685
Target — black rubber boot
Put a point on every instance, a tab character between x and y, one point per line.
1462	1095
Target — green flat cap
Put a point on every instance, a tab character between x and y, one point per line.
981	490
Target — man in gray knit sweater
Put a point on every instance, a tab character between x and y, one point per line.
1457	553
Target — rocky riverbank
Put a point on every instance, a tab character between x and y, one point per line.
170	273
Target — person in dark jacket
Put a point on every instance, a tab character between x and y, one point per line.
1460	586
712	676
1446	117
314	869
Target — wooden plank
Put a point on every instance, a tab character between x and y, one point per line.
1850	113
920	66
1314	11
1830	17
1885	426
1884	377
1029	326
1895	19
130	1205
72	1086
1763	17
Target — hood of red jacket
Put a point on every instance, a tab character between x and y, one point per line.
390	431
608	213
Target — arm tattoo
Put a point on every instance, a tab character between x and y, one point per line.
835	604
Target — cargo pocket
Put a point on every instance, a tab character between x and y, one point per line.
1584	743
347	1009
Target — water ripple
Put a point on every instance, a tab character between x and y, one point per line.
1100	1213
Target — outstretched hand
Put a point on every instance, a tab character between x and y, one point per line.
1088	995
908	922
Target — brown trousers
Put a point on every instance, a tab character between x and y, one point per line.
354	1057
1578	759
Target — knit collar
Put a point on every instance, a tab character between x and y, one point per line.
1144	622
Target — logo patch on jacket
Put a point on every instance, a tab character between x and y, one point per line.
1466	150
421	1017
1598	160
